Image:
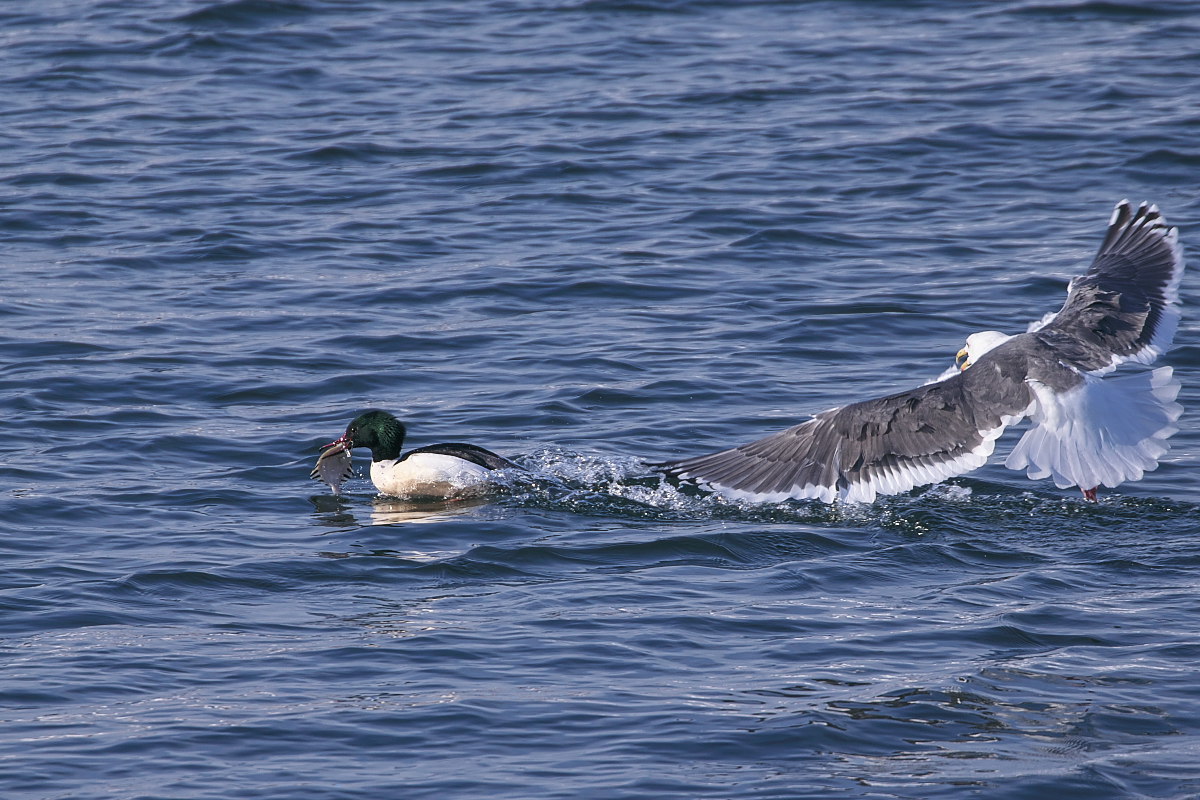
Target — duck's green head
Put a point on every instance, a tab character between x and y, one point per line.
377	430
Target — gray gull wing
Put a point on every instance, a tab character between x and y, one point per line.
1126	306
882	446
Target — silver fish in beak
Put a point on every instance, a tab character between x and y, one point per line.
333	465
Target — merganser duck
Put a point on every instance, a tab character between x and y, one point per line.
448	471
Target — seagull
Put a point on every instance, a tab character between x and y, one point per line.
1087	430
448	471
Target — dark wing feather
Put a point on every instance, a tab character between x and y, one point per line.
1126	306
885	446
467	452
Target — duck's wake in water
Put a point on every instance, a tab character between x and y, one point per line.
621	487
624	487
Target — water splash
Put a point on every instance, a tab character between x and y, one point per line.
623	487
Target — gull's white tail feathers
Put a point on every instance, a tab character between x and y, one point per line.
1102	433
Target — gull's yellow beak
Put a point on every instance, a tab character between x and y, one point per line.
960	360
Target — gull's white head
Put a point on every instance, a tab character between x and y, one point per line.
977	345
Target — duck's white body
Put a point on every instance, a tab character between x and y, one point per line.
430	475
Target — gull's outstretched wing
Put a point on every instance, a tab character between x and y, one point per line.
1126	306
881	446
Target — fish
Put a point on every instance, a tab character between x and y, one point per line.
333	466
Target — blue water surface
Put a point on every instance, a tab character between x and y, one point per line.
587	235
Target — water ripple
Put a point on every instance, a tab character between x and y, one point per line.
589	234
